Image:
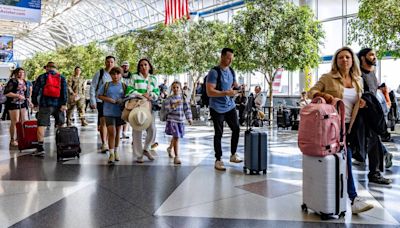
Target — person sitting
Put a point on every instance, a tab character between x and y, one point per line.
304	100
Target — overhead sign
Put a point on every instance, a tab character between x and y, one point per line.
6	48
20	10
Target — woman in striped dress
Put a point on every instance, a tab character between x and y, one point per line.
145	84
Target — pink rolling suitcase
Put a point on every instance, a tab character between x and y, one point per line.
325	185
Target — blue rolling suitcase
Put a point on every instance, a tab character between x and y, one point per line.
255	152
255	149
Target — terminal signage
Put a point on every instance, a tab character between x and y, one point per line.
6	48
20	10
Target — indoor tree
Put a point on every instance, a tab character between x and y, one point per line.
377	26
276	34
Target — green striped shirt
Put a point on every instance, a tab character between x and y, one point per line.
139	85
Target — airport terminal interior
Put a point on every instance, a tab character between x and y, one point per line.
88	192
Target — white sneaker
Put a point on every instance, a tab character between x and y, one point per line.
219	165
359	205
235	158
104	147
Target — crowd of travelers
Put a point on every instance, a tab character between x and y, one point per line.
113	89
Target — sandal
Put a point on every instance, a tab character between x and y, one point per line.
13	142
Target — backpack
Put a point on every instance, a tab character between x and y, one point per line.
322	128
3	97
100	78
163	111
107	84
205	99
52	88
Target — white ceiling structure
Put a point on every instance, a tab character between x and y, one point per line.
75	22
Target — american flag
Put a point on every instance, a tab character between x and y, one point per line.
176	9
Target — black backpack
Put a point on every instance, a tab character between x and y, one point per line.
205	99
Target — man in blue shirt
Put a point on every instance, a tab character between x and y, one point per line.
222	105
100	78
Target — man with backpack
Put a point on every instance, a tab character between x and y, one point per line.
99	79
221	82
51	88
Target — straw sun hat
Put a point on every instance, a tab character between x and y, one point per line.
140	118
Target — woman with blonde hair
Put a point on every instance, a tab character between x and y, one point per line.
344	82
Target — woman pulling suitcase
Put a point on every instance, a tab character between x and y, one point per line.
344	82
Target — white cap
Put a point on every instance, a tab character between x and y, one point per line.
125	63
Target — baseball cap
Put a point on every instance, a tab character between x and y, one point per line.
125	63
51	65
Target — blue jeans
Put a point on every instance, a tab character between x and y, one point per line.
351	189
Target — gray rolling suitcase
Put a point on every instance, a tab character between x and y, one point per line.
325	185
255	152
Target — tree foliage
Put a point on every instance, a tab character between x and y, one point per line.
377	26
90	58
272	34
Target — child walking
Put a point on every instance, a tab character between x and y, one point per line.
111	93
177	108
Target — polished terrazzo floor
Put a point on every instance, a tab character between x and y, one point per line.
39	192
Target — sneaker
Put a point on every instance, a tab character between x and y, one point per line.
154	145
235	158
379	179
111	159
219	165
104	148
148	155
177	161
169	150
388	160
116	156
39	151
124	136
359	205
139	160
84	123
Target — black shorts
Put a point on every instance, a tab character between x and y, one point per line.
114	121
99	106
13	106
43	116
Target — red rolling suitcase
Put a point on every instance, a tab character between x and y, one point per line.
27	134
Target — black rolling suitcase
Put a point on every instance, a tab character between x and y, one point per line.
283	118
195	111
68	144
255	150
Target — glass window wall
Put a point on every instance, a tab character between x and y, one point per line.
329	8
333	37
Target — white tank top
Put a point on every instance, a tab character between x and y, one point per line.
350	98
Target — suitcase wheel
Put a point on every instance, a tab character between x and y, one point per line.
325	216
264	171
254	172
342	214
304	207
77	155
